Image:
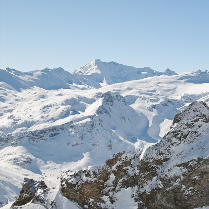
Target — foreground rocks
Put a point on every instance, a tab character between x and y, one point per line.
172	174
33	192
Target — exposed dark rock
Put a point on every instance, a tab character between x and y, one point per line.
172	174
32	191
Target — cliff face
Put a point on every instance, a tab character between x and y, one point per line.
173	173
32	191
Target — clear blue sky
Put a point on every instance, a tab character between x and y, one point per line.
69	33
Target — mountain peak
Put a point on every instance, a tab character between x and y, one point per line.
174	170
170	72
102	73
95	61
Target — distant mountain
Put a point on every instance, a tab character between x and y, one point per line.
47	78
98	73
57	129
93	75
12	80
196	77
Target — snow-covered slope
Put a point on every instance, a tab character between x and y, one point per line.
46	78
196	77
94	74
52	121
98	73
170	174
154	100
89	140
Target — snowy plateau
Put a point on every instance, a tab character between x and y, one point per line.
107	136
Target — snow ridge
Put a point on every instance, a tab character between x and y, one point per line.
54	124
102	73
166	176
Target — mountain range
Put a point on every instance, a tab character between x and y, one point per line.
95	74
105	136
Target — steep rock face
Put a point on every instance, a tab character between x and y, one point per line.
33	192
170	174
97	188
175	161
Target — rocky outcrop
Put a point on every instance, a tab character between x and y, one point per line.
33	192
95	188
108	100
172	174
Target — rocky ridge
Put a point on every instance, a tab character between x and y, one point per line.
72	126
170	174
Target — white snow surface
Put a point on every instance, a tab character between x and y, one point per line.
98	73
52	120
124	200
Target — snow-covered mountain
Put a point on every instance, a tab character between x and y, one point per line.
98	73
47	79
170	174
95	74
54	123
196	77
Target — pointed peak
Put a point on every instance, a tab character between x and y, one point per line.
95	61
170	72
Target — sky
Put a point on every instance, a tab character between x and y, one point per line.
70	33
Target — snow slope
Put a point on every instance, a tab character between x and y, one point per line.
172	173
98	73
46	78
94	74
52	121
